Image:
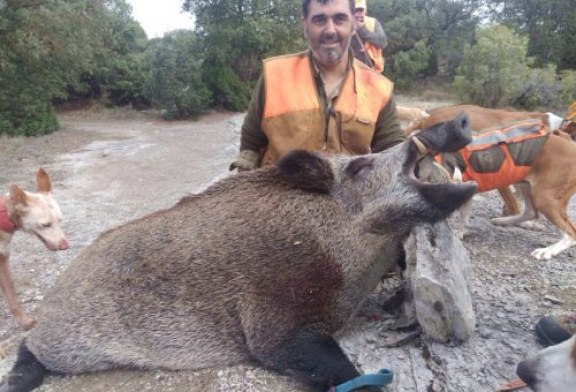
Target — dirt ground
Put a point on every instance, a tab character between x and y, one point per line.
112	166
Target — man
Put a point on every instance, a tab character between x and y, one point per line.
370	39
321	99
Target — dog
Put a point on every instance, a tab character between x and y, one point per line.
411	115
486	119
34	213
552	369
545	177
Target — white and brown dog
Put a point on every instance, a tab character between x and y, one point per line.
552	369
33	212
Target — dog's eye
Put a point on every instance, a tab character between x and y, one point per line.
46	225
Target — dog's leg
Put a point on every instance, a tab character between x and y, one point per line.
547	253
529	212
555	209
9	291
511	204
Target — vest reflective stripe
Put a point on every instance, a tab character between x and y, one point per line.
293	118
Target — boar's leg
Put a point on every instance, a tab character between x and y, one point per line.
27	373
313	357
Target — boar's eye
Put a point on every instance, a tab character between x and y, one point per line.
359	165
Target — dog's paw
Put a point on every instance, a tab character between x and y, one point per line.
532	225
27	322
543	253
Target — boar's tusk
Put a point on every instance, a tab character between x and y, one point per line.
419	145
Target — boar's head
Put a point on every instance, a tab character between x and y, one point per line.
382	188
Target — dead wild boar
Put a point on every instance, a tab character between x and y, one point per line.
262	266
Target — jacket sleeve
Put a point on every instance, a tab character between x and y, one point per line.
377	37
252	137
388	132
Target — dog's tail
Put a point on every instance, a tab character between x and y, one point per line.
27	374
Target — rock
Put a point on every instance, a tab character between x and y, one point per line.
438	267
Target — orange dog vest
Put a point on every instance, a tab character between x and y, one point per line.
500	157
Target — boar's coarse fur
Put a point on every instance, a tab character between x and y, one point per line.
262	266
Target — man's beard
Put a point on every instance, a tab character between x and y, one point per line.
331	55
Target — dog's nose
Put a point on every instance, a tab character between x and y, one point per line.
63	244
525	372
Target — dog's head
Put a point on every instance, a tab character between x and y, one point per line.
552	369
38	213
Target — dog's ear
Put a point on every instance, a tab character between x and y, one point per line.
43	181
17	195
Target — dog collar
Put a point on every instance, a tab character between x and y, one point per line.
6	224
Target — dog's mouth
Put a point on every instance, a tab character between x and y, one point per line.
61	245
46	243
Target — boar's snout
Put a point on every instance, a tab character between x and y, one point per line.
448	136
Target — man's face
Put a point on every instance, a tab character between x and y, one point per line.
328	29
360	13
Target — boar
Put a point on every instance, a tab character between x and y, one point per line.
263	266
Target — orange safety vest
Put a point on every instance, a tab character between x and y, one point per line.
373	51
294	119
509	151
571	113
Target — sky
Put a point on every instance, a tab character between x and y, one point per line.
160	16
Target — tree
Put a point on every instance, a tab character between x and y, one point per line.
549	24
236	36
50	49
427	36
42	50
174	82
496	72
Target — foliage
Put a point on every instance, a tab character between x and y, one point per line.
54	51
496	72
174	82
409	65
443	27
550	26
48	50
116	72
236	36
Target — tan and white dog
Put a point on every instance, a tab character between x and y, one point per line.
552	369
35	213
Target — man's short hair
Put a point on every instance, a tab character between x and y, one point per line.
306	6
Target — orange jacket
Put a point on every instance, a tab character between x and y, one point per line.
293	117
501	157
373	51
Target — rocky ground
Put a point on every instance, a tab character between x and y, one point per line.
109	167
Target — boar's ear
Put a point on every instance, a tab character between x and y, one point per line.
308	171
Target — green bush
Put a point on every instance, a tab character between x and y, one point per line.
228	91
33	118
174	82
405	68
495	72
